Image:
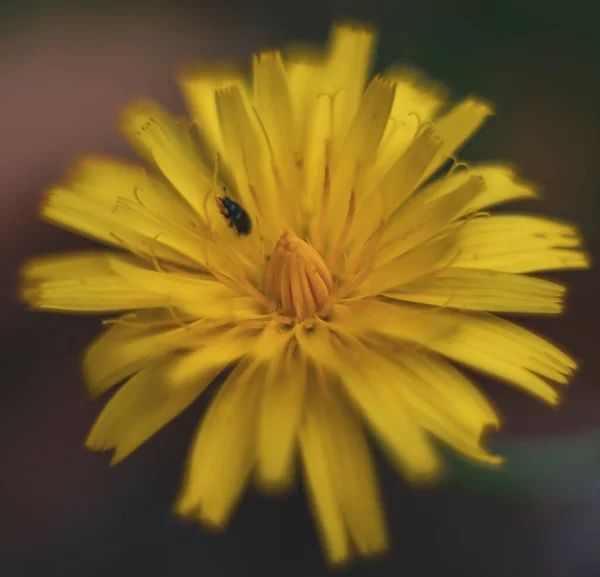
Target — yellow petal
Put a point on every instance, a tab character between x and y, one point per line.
142	406
315	155
447	428
84	282
445	403
197	295
321	489
162	237
418	220
271	342
371	388
224	348
416	102
402	178
449	389
350	54
84	216
108	180
304	73
274	107
199	85
518	244
330	110
386	191
485	290
246	151
500	185
357	152
223	452
124	349
281	409
365	132
122	205
423	261
456	127
104	281
365	379
351	468
483	342
371	215
124	225
161	139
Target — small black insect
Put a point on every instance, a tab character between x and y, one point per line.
238	218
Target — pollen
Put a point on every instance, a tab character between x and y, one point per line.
297	278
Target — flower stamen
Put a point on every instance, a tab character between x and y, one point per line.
297	278
136	194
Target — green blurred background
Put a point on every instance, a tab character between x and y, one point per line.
66	68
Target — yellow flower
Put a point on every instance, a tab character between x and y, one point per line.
293	236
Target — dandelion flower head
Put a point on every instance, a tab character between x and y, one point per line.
300	236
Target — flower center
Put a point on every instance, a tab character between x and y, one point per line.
297	277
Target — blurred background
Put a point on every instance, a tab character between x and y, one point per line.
66	69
